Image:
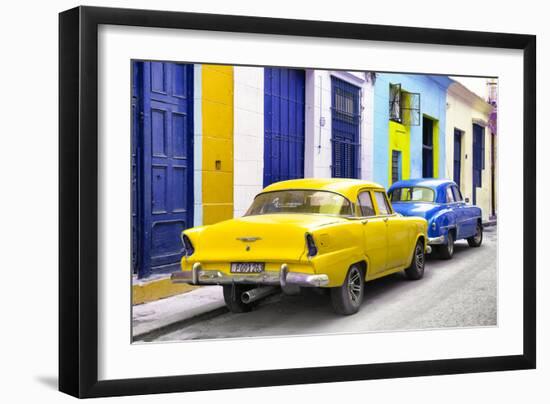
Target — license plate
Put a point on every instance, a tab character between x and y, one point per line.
247	267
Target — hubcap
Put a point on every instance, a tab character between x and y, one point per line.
419	256
355	284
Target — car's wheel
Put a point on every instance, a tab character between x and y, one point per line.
232	296
446	250
416	270
347	298
476	239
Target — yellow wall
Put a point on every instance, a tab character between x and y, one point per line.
217	143
144	292
400	140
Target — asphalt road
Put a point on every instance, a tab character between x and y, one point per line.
461	292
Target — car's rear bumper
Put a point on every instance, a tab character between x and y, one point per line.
199	276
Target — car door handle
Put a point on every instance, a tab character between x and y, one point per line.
364	221
386	219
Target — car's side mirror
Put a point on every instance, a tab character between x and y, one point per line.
467	200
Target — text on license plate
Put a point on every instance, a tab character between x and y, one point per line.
247	267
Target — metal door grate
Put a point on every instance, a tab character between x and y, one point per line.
346	119
395	166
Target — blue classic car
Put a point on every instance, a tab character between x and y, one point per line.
440	202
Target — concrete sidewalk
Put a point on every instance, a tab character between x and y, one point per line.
155	316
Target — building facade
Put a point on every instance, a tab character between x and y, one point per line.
207	138
409	126
471	147
294	123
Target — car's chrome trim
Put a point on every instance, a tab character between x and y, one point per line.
199	276
250	239
195	273
470	219
436	240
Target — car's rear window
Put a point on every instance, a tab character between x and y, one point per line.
300	201
412	194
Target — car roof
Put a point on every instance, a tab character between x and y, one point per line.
434	183
344	186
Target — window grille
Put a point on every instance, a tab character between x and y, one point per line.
404	107
395	102
346	119
395	166
410	109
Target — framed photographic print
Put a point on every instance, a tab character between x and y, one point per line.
251	201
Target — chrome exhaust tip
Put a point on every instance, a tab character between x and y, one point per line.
257	293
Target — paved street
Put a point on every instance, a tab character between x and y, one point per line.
461	292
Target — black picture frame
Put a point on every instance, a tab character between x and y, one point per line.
78	201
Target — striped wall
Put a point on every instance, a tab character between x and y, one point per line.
217	143
248	140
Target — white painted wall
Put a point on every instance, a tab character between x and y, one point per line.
197	144
318	148
463	110
367	129
248	141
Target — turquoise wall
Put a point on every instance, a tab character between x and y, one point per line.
433	100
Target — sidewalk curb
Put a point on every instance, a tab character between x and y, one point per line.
489	223
152	335
149	320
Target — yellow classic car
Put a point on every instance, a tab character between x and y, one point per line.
312	233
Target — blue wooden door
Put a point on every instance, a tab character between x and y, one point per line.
137	78
284	127
457	155
345	129
427	148
478	158
164	163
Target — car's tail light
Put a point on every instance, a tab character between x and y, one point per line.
188	248
311	247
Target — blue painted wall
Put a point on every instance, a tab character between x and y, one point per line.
433	99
